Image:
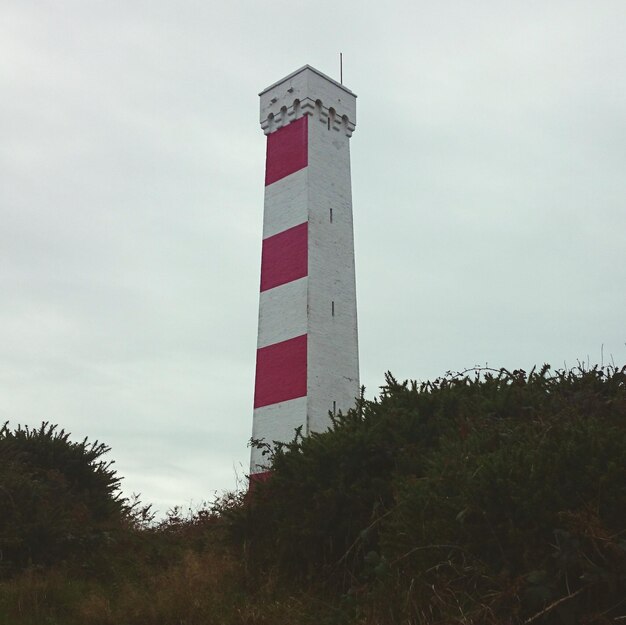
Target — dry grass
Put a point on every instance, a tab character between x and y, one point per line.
203	588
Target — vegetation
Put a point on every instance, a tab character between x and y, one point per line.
490	497
58	498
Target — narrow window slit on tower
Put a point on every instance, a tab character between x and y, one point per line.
334	407
332	308
331	215
328	123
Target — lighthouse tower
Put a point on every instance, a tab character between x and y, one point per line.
307	362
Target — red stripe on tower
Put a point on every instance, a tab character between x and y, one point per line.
284	257
287	150
258	478
281	372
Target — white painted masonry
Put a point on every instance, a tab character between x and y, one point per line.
277	422
333	360
322	305
301	93
283	312
286	203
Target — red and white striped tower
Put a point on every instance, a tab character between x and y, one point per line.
307	352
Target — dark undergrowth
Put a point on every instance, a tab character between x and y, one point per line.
492	497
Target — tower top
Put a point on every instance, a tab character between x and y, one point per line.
307	91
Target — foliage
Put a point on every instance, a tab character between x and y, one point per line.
57	497
489	497
473	497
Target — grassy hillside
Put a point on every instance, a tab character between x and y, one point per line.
494	497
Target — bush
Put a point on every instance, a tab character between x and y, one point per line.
490	498
58	498
489	495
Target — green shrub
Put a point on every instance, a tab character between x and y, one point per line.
58	498
488	495
491	498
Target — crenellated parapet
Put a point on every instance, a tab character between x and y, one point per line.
308	92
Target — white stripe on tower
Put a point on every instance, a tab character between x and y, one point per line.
307	353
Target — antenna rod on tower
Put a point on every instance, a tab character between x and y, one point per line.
341	67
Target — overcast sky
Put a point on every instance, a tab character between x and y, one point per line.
489	192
